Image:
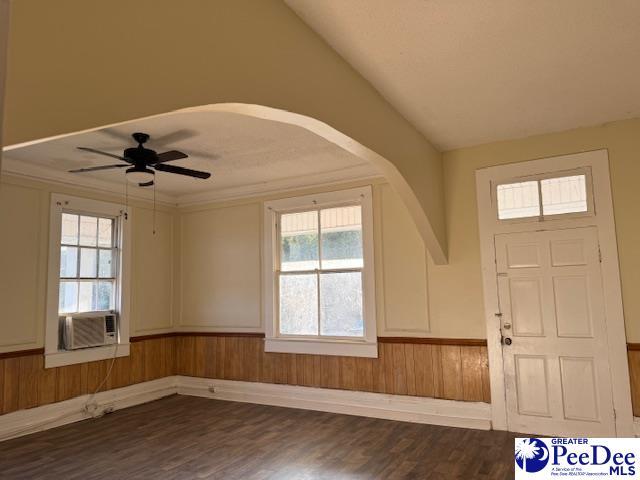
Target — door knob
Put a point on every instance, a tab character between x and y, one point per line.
507	341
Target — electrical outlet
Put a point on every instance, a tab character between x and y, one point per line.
212	389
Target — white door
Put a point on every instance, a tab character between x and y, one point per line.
556	364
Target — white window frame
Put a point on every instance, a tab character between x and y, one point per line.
586	171
60	204
365	346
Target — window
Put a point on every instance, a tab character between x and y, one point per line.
320	264
544	197
88	268
88	260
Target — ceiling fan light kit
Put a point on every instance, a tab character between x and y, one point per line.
143	162
140	176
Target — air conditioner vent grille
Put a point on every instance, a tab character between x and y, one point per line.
91	330
88	331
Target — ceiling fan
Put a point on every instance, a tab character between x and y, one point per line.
143	162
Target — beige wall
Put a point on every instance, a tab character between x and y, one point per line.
456	289
202	268
24	236
221	267
75	65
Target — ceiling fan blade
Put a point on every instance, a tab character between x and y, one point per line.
176	136
181	171
113	133
99	152
170	155
146	184
101	167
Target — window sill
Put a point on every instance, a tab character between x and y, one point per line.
60	359
322	347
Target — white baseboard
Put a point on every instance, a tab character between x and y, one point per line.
378	405
23	422
391	407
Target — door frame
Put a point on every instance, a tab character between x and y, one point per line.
598	163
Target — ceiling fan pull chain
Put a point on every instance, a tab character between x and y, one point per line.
154	206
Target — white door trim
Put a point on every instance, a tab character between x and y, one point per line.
489	226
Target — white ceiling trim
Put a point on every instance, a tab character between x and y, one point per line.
56	177
40	173
335	177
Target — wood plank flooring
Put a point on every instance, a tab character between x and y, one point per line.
183	437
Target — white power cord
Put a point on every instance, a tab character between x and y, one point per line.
89	406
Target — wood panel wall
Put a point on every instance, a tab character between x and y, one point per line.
455	372
25	383
444	370
633	356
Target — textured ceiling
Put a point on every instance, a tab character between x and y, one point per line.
241	152
470	72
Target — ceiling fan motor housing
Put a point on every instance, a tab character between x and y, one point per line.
141	158
140	137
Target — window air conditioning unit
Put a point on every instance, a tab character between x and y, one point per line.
88	330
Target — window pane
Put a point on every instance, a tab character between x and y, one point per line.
341	304
68	261
105	269
69	229
68	302
341	230
518	200
88	231
298	304
105	296
564	195
299	241
87	297
88	262
105	229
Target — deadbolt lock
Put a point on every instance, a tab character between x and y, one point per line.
507	326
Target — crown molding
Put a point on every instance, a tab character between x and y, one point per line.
49	175
41	173
285	185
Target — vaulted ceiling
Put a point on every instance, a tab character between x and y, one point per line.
471	72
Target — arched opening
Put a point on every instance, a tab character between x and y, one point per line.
384	166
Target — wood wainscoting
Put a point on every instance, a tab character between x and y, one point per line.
25	383
454	370
439	368
633	354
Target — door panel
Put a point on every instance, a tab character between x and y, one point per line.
532	384
557	375
526	306
523	256
568	252
579	394
573	312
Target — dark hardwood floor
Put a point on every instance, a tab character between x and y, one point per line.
183	437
